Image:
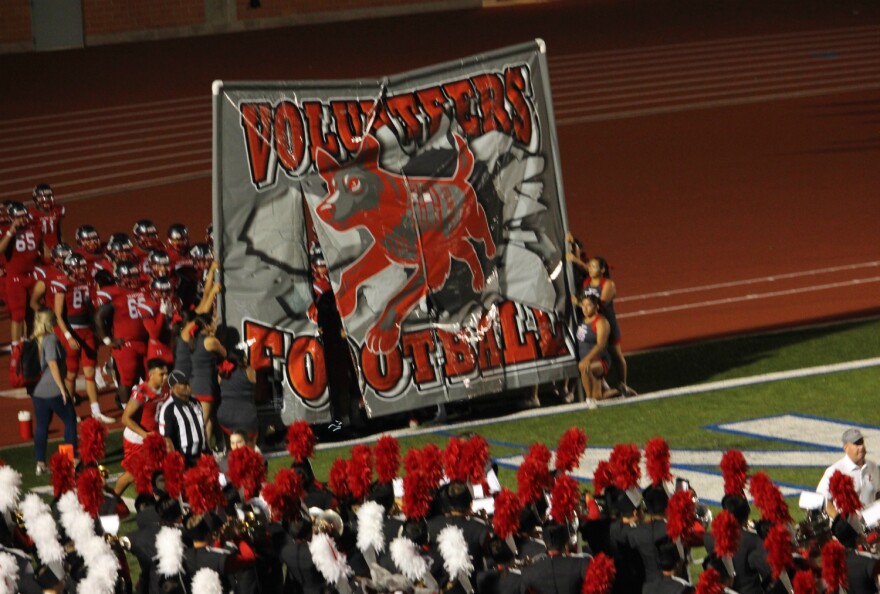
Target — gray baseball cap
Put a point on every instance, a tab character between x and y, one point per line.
852	435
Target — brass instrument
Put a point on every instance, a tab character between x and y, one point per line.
328	522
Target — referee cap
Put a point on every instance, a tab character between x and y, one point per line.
177	377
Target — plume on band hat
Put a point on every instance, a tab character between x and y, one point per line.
370	521
726	530
149	459
360	471
169	550
283	496
768	498
453	549
337	479
328	560
505	521
63	474
300	441
42	529
843	493
834	566
406	556
10	488
202	486
533	476
571	447
710	582
624	460
680	516
92	443
247	471
90	489
564	499
387	456
603	477
657	462
431	463
103	566
454	462
804	582
600	575
734	470
173	468
8	574
779	550
207	581
476	458
417	494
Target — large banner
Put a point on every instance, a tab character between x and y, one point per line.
436	199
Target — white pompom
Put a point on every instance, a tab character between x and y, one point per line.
169	550
206	581
41	528
405	555
371	521
10	483
328	560
8	574
454	550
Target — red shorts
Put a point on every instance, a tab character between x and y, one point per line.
129	360
17	288
157	350
87	353
129	455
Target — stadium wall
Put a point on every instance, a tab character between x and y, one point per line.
112	21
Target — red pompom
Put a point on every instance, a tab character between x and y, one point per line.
600	575
431	463
387	456
247	471
680	516
454	462
564	499
476	454
148	460
571	447
62	474
532	480
360	471
173	468
804	582
507	510
90	490
624	460
300	441
843	492
734	470
602	477
202	490
337	480
657	462
539	453
710	582
226	367
834	566
726	530
779	550
768	498
412	461
284	495
417	489
93	437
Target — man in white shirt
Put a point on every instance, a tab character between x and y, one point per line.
864	472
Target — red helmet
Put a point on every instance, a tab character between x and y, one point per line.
87	239
127	275
44	197
178	238
145	235
77	267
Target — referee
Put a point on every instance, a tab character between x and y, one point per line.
181	421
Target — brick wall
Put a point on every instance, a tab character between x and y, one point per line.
104	17
289	8
15	22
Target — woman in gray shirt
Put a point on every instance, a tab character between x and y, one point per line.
50	395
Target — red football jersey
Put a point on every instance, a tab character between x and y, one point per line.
54	280
79	301
129	311
25	250
49	223
150	402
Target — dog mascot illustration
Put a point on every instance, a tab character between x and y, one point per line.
420	223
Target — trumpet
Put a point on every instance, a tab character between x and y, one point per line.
118	542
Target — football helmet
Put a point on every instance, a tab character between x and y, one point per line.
159	263
209	236
160	288
17	210
120	248
127	275
178	238
201	255
44	197
87	239
77	267
146	235
60	253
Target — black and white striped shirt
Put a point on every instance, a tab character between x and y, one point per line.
181	421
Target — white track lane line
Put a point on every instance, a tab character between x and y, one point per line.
749	297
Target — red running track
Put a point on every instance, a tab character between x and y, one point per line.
724	157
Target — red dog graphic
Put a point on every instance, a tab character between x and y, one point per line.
420	223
